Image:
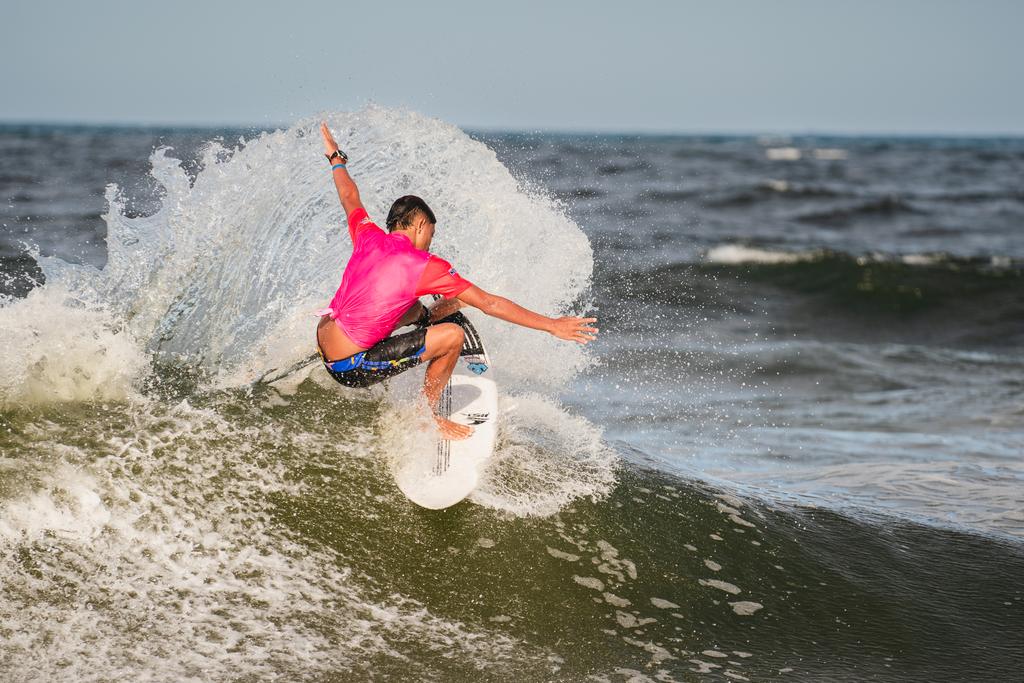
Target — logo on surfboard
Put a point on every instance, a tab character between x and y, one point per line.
477	418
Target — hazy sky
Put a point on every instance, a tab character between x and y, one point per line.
719	65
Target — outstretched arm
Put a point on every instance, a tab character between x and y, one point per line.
568	328
348	193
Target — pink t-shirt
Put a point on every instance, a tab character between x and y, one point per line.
385	275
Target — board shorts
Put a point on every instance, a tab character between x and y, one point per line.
385	359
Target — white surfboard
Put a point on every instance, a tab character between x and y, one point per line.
444	475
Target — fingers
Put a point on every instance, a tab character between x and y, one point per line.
582	326
577	330
325	132
581	333
583	323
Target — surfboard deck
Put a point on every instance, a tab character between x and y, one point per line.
440	477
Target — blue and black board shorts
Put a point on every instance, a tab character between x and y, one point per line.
395	355
386	358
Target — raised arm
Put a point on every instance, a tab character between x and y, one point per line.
568	328
348	193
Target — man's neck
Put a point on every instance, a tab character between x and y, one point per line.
408	234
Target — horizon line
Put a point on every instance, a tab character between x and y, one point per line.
496	130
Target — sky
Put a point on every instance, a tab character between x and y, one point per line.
785	66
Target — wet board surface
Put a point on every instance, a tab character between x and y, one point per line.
441	476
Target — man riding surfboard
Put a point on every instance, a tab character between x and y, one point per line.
380	290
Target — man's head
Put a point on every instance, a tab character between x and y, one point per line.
411	213
405	210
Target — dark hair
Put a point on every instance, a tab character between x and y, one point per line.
404	210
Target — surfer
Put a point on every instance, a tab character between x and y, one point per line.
380	290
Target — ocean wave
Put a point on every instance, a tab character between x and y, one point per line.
996	265
897	282
891	205
860	203
253	536
970	196
152	544
783	153
743	195
734	254
797	153
908	296
224	274
772	189
218	285
666	196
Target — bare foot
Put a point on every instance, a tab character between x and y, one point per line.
452	431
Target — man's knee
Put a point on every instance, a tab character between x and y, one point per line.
452	335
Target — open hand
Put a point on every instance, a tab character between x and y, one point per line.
574	329
329	144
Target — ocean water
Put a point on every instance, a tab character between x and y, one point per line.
795	452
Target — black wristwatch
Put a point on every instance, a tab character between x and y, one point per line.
337	153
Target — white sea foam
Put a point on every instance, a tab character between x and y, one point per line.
783	153
545	458
562	555
733	254
736	254
589	582
922	259
662	603
830	154
146	552
57	348
721	585
777	185
745	608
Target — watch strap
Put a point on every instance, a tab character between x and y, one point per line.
337	153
